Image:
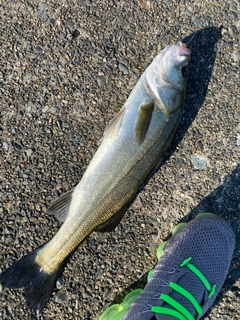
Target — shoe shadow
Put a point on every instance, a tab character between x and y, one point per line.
225	202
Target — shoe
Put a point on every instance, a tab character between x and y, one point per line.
192	267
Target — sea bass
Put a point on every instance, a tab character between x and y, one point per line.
132	147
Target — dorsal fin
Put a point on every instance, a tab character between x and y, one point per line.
143	121
60	207
114	125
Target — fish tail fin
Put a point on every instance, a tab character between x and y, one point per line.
36	284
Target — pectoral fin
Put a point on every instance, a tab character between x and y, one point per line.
114	125
60	207
143	121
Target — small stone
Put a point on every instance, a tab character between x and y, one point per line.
56	195
29	152
106	292
8	230
77	304
45	109
42	6
198	162
85	295
70	310
52	21
53	110
154	236
103	80
65	125
40	165
72	149
75	34
27	76
38	49
133	51
236	56
60	283
123	68
234	30
61	297
17	146
5	145
238	140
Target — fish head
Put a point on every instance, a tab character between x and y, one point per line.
177	65
168	72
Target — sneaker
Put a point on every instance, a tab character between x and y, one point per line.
193	265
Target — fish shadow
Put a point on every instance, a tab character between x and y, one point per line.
203	55
225	202
202	44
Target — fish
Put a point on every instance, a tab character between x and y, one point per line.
132	148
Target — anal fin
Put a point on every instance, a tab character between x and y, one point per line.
111	223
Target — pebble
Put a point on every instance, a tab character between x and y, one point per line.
27	76
106	292
53	110
42	6
61	297
238	140
29	152
86	295
75	33
199	162
5	145
123	68
234	30
60	283
77	304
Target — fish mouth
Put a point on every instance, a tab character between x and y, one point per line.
183	51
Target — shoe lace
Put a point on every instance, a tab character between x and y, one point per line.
179	311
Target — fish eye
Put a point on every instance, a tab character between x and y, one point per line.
184	72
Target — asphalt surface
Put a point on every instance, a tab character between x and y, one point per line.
66	67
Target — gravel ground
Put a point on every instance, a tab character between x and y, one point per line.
65	69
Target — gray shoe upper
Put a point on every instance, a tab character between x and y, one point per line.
210	242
